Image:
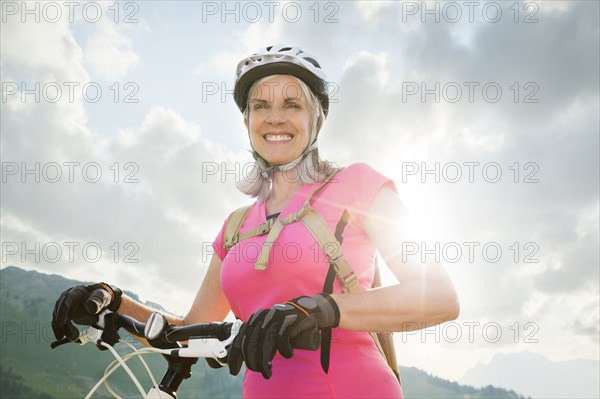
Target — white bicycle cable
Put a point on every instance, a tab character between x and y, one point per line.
125	367
114	365
120	362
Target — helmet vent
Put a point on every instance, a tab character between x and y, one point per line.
312	61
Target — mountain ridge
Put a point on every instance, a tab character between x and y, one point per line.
514	370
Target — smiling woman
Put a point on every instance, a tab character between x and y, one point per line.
280	91
298	266
286	104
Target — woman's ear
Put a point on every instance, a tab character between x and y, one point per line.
246	121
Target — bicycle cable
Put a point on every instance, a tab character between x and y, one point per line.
114	365
125	367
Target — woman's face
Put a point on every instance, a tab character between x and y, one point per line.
279	120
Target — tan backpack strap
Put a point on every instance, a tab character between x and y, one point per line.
328	243
234	224
315	223
385	343
385	340
279	224
259	230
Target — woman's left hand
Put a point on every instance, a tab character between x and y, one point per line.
293	324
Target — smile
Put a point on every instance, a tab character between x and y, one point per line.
278	137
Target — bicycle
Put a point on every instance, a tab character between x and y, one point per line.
206	340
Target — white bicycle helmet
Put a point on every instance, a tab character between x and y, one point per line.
280	60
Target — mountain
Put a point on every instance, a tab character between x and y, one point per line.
30	369
534	375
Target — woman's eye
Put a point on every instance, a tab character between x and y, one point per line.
259	106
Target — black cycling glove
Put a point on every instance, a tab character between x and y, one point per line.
82	304
293	324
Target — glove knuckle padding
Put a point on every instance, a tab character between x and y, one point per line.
307	303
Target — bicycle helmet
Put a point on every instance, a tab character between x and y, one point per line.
280	60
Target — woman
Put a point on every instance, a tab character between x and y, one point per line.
289	298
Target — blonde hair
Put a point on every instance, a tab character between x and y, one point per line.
310	169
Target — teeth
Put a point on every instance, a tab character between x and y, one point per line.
278	137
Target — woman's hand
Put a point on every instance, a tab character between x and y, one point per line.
293	324
82	304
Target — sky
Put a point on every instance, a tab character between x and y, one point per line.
121	144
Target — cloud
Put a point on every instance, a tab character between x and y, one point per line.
163	220
181	157
109	54
24	56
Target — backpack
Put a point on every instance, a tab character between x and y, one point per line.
331	246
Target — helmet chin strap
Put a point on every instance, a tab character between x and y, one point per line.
267	170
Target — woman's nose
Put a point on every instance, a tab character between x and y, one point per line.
275	117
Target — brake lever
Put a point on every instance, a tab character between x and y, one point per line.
92	334
209	347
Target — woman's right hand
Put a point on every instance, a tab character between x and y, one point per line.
82	304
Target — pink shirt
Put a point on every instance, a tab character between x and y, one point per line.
297	267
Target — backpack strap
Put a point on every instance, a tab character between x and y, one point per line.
315	224
272	226
328	289
233	226
331	246
279	224
386	339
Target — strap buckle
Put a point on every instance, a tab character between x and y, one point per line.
333	250
228	244
264	228
301	212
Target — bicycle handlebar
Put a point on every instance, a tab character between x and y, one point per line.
208	340
218	330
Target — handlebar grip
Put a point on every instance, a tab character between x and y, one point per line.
219	330
131	325
98	300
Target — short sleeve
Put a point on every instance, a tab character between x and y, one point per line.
219	244
362	185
